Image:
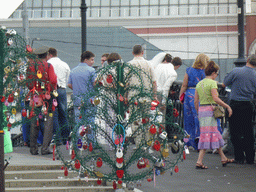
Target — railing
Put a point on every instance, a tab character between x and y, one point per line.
174	96
125	12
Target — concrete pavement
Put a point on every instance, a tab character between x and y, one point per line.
233	178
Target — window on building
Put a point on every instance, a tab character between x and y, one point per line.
95	3
193	1
203	9
154	2
66	3
47	3
163	2
203	1
76	12
56	3
76	3
134	2
144	2
37	3
115	2
65	12
124	2
174	2
104	3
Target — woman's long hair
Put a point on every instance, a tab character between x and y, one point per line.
201	61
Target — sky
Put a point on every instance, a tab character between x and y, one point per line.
7	7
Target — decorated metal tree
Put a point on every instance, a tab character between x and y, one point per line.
13	58
120	111
15	88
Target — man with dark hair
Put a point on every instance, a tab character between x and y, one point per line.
177	62
89	57
62	70
39	85
104	58
242	81
137	50
81	81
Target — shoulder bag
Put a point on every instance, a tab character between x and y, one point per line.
218	111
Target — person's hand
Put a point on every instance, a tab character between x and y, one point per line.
229	111
163	107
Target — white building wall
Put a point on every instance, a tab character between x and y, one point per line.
188	47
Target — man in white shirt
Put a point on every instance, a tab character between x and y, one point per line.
62	71
149	83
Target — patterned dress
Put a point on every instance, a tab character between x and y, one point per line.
191	123
210	137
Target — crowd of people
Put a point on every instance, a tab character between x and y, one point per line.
198	94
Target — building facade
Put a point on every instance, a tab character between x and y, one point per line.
183	27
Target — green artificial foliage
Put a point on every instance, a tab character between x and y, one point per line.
118	104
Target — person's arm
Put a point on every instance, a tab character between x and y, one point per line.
196	101
228	79
155	90
52	76
216	98
70	82
70	86
67	73
184	85
168	83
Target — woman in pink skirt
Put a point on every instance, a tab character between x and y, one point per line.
210	138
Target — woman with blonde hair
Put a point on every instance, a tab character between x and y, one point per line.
207	93
193	75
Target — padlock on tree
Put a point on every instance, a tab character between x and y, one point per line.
157	145
99	162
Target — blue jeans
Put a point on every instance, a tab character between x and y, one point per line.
60	121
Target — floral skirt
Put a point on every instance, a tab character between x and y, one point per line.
210	137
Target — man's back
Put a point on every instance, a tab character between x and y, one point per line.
243	83
82	78
146	73
61	69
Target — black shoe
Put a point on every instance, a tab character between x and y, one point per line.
34	153
46	152
239	161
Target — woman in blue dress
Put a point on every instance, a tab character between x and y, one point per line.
193	75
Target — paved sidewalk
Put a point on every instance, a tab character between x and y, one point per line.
233	178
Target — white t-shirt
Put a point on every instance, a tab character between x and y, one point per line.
62	71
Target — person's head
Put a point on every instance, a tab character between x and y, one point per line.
113	57
87	57
137	50
177	62
252	60
167	58
201	61
104	58
52	52
41	52
212	69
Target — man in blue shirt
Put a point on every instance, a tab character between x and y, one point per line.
242	81
81	81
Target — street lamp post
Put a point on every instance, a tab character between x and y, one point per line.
241	59
83	24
